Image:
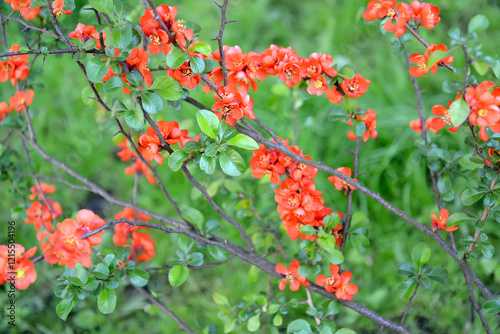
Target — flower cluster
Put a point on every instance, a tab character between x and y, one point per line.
150	144
232	104
338	284
14	260
39	213
138	167
84	33
416	13
292	276
158	36
484	102
370	120
422	61
16	68
440	223
143	246
24	7
66	246
137	60
299	203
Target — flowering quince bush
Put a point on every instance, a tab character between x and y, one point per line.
139	59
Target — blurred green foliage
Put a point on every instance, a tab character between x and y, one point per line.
80	135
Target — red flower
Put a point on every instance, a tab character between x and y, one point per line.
370	120
39	214
144	247
83	33
292	275
46	189
356	86
21	99
89	221
141	169
317	85
184	74
290	73
346	290
440	223
331	283
421	61
19	264
138	60
67	246
377	9
339	183
425	14
57	8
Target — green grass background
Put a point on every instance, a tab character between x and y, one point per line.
80	135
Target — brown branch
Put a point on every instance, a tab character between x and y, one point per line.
223	23
347	219
207	265
9	18
55	23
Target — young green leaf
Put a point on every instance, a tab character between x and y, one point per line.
138	277
178	275
106	302
65	306
243	141
176	159
208	122
167	87
176	57
231	163
151	102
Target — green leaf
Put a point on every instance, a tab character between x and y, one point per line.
297	326
331	221
459	112
219	254
347	73
457	218
487	250
277	320
308	230
406	288
122	36
176	159
439	275
178	275
134	119
220	299
358	128
420	254
195	259
151	102
113	85
135	78
197	65
118	108
167	87
38	3
209	64
122	253
106	302
345	331
231	163
253	323
350	103
334	257
104	6
97	69
478	23
176	57
435	57
138	277
202	48
471	196
208	122
406	269
92	285
243	141
496	69
229	325
207	164
101	271
491	307
64	307
444	184
338	114
454	33
481	67
79	277
225	131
